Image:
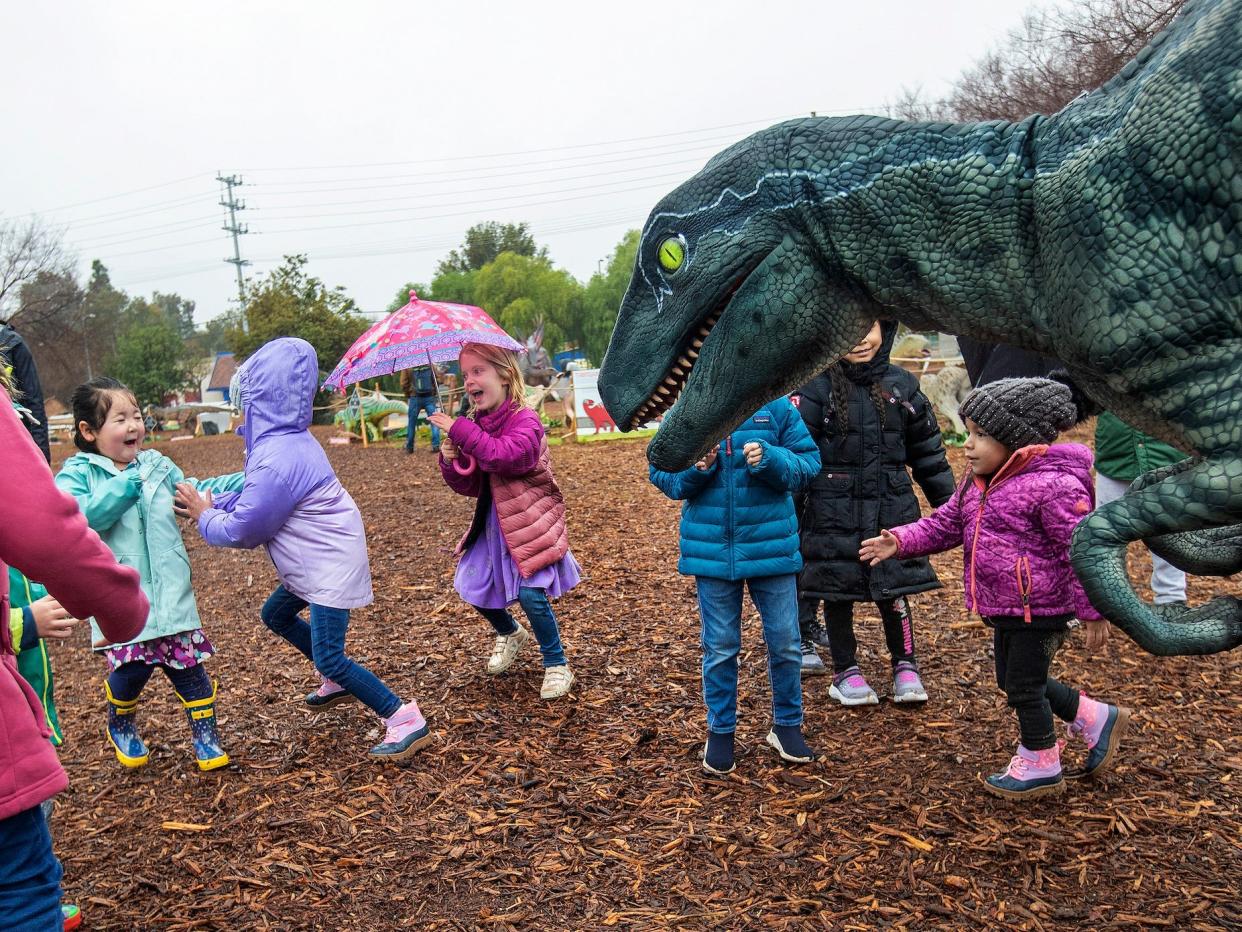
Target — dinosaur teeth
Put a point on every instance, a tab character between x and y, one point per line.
697	344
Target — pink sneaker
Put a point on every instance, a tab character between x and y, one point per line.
1030	774
406	732
328	694
1101	726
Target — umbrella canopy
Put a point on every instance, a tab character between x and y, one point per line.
418	334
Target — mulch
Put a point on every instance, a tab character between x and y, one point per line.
591	811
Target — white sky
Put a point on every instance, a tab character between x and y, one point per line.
370	135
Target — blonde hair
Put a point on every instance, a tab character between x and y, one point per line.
505	362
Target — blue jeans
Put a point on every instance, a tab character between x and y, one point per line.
29	875
720	604
323	643
128	680
418	403
539	613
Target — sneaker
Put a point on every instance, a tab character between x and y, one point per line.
907	687
790	745
1030	774
556	682
718	754
505	650
811	664
1101	726
406	731
851	688
328	694
817	632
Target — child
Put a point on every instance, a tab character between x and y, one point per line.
517	547
871	422
738	531
43	533
126	494
1014	514
34	616
293	505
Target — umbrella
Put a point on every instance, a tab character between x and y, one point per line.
419	334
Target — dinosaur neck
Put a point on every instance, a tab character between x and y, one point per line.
937	221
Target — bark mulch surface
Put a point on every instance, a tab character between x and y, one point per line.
591	811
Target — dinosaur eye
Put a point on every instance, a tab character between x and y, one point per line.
672	253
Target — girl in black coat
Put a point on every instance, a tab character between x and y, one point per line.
871	422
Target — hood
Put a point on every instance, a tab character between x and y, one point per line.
866	373
278	385
1072	459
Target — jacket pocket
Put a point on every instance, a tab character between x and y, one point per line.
1022	571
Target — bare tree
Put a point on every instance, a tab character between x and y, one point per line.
28	250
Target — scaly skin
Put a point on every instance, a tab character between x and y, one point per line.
1108	235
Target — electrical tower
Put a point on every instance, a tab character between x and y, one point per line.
233	205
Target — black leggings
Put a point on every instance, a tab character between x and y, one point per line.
898	631
1023	657
127	680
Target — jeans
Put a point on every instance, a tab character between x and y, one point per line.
898	632
1168	583
418	403
29	875
128	680
1022	660
720	605
538	611
323	643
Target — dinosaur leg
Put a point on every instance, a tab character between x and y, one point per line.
1199	496
1210	552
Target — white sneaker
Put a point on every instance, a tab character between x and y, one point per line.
556	682
505	650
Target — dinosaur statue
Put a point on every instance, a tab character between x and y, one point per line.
1108	235
374	412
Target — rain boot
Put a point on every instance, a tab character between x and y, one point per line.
202	716
130	749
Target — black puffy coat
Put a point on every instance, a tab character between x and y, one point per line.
863	484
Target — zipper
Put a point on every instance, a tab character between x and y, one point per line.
1024	588
974	549
728	529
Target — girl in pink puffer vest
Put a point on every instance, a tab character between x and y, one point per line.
1014	515
516	549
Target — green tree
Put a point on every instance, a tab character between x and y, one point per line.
485	241
150	358
453	286
602	298
178	310
521	291
402	297
290	303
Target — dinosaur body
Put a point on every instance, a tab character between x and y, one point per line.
374	411
1108	235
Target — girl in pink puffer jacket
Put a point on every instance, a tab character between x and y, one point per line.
1014	515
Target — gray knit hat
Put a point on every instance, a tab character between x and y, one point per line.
1021	412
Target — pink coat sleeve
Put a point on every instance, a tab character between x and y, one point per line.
939	531
471	485
1067	503
514	452
43	534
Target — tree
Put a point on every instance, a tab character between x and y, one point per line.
49	317
103	312
602	297
453	286
485	241
290	303
150	358
520	292
177	310
27	251
402	297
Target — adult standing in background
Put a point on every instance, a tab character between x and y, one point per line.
419	388
25	378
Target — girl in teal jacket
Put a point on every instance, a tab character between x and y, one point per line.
126	494
739	531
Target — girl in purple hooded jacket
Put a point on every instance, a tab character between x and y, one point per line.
293	506
1014	515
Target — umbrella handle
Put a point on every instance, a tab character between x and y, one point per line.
467	469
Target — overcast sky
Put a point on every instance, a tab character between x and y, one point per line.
370	135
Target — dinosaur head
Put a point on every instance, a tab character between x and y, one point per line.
736	298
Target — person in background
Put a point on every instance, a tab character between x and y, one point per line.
419	387
1122	454
28	390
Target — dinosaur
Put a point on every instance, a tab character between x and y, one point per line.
1108	234
374	412
946	390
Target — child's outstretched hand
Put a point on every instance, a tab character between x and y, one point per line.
1097	635
754	453
51	621
705	463
448	450
189	502
878	549
442	420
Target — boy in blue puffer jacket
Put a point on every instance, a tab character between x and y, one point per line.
739	530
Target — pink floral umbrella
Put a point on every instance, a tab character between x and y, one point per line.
418	334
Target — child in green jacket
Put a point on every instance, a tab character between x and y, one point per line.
33	616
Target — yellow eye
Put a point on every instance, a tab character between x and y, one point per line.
672	253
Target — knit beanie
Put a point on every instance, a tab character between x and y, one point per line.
1022	412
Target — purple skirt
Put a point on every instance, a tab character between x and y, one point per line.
488	577
179	651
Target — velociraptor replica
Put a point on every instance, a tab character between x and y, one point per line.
1108	235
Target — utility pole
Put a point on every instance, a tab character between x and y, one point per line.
233	205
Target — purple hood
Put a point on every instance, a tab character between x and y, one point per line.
292	503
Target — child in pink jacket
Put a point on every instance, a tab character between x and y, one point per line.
1014	515
517	548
